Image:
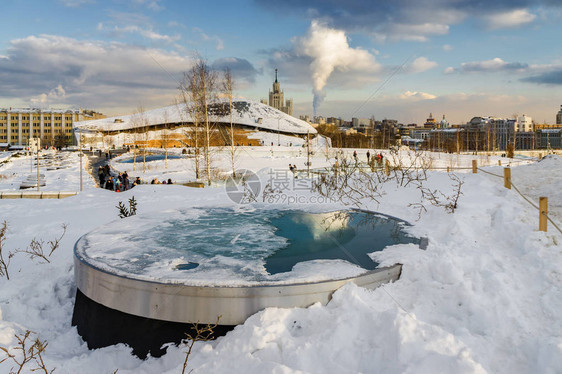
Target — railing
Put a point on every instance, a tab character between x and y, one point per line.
37	194
543	201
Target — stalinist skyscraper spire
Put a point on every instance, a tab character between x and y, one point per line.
276	98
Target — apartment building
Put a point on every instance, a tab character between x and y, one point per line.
54	126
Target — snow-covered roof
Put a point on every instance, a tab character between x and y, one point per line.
245	112
446	130
412	140
37	110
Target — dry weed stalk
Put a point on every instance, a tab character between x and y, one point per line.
201	333
438	198
352	183
26	354
35	248
4	262
269	193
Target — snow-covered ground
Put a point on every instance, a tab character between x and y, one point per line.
484	297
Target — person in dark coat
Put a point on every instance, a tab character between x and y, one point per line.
101	176
109	184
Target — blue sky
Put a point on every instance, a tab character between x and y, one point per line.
361	58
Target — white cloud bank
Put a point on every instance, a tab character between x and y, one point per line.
511	19
66	72
416	96
420	65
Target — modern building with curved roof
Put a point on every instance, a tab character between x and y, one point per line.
247	114
249	118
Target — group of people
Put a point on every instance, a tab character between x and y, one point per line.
378	158
375	160
115	183
293	168
156	181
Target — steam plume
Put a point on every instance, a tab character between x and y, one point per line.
329	50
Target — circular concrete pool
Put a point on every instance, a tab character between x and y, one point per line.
192	266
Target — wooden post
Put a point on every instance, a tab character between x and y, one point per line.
507	178
543	213
474	167
500	162
540	156
447	169
387	167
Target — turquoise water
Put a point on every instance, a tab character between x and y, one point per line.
149	158
278	239
344	235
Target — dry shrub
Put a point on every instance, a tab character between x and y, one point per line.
24	354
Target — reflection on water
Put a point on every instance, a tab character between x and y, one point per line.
346	235
250	244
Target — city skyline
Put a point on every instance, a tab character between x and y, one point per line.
359	59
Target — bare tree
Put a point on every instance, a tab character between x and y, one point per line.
199	89
140	123
165	138
190	114
228	84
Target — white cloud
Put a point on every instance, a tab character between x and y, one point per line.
52	97
514	18
59	70
76	3
411	32
89	73
150	4
449	70
420	64
447	47
219	44
176	24
148	33
144	32
493	65
416	96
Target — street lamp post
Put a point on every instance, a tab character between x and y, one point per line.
38	176
30	153
278	136
81	155
308	154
